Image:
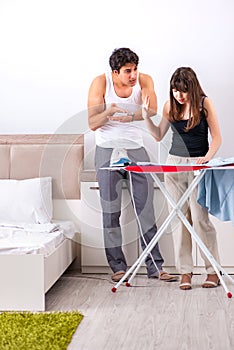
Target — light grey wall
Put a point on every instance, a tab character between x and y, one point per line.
52	49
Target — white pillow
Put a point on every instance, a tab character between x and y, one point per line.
26	201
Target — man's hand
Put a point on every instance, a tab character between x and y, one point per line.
122	117
118	114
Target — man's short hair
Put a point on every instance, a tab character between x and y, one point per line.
120	57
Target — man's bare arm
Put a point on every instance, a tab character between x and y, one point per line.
98	113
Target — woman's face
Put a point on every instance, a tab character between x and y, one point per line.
180	96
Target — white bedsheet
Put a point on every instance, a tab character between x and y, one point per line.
34	238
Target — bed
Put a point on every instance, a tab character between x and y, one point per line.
35	249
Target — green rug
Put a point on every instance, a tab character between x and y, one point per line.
37	331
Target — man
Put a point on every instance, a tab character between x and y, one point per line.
114	104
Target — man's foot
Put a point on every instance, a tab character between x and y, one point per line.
186	279
165	276
116	277
212	281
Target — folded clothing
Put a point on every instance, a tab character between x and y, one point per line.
119	157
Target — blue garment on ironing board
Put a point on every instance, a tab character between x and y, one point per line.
216	193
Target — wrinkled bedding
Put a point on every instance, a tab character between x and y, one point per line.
34	238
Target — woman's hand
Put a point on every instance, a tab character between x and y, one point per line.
202	160
145	108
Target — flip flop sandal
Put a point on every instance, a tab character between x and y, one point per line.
164	276
186	281
116	277
210	284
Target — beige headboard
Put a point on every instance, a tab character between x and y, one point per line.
59	156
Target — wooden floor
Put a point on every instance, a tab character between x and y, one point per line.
151	315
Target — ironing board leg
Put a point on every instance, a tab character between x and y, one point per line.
218	269
176	211
135	267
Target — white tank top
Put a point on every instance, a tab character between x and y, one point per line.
116	134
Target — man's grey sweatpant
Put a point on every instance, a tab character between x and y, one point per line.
110	186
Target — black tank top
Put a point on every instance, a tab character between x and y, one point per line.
192	143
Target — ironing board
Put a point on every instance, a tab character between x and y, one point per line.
154	170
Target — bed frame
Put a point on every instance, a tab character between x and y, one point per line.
25	279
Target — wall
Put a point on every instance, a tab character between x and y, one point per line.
52	49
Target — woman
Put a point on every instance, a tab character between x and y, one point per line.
191	114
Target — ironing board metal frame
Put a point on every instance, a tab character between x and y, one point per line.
153	170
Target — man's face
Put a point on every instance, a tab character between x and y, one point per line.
128	74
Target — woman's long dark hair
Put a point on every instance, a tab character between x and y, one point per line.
184	79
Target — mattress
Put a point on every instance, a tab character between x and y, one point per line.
34	238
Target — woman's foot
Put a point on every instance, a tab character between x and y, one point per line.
185	282
212	281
